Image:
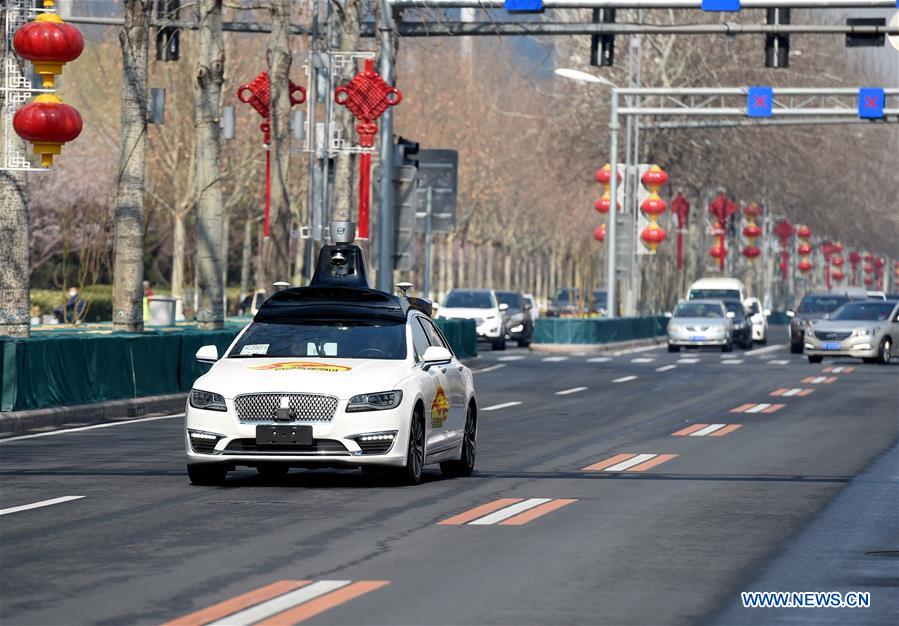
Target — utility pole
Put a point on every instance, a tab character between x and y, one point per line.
385	213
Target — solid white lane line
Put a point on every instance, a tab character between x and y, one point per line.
779	362
94	427
758	408
281	603
38	505
511	357
732	361
491	368
509	511
791	392
554	359
635	350
504	405
702	432
640	458
565	392
599	359
624	379
688	360
665	368
643	359
766	349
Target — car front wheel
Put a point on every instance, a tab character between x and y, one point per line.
672	348
415	455
465	465
207	475
815	359
885	352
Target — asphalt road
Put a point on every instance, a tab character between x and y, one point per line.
663	529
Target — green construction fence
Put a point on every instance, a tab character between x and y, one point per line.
65	368
569	330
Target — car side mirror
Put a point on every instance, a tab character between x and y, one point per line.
791	313
731	315
668	314
826	316
527	307
436	354
767	313
503	307
208	354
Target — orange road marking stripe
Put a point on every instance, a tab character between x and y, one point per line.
615	460
808	379
848	370
532	514
727	429
830	379
773	408
827	369
651	463
743	408
478	511
323	603
779	392
229	607
805	392
683	432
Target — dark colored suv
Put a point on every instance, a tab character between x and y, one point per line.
519	323
814	306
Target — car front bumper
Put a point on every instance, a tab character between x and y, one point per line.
861	347
758	332
697	339
334	442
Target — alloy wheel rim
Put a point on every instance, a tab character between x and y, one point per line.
470	435
418	452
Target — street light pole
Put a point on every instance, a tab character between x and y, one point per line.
613	212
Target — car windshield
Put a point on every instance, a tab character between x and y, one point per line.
600	297
754	308
469	300
736	308
698	309
821	304
714	294
511	298
323	339
869	311
565	296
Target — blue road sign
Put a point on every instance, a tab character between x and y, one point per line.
530	6
721	5
759	101
870	102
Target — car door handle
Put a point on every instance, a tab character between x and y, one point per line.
443	370
461	368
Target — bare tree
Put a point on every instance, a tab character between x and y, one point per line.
129	223
210	75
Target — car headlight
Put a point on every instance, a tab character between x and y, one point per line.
207	400
865	332
374	401
675	328
516	318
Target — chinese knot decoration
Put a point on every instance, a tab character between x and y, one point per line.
257	93
653	207
804	233
367	96
752	231
604	178
854	259
721	208
681	208
784	230
46	122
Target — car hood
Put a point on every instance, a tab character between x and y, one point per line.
462	313
846	325
342	378
699	321
809	317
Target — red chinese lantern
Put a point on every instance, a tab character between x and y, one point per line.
752	231
804	249
604	204
604	175
838	247
47	123
837	261
803	232
652	235
654	178
868	281
681	208
804	266
718	251
49	43
600	233
653	207
837	275
784	230
751	252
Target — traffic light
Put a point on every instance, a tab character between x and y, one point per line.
167	37
777	47
602	47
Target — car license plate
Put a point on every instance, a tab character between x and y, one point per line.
831	345
284	435
697	337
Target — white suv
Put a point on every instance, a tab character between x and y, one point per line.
482	306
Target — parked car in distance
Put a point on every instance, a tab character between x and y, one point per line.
697	323
876	295
482	306
742	327
758	319
866	329
519	325
814	306
599	302
717	289
535	310
564	303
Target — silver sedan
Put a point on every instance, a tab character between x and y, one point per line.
867	329
700	323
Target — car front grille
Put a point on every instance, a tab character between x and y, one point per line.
304	407
203	446
319	446
375	447
830	335
699	328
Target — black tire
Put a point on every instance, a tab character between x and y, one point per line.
415	454
499	344
815	359
673	348
207	475
795	348
763	340
747	345
273	471
465	465
728	347
884	353
524	343
871	360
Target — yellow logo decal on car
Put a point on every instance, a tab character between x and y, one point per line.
303	365
439	409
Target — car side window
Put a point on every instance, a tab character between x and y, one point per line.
420	341
434	335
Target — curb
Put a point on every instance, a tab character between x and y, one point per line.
20	422
596	348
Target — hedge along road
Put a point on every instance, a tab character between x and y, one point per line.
544	541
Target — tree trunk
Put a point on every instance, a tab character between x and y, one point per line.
462	247
276	247
246	258
178	243
349	24
128	269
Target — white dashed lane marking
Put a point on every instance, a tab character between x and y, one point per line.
491	368
511	357
504	405
688	360
599	359
624	379
765	350
779	362
665	368
38	505
554	359
732	361
643	359
566	392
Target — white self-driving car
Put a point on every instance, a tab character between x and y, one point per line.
333	374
